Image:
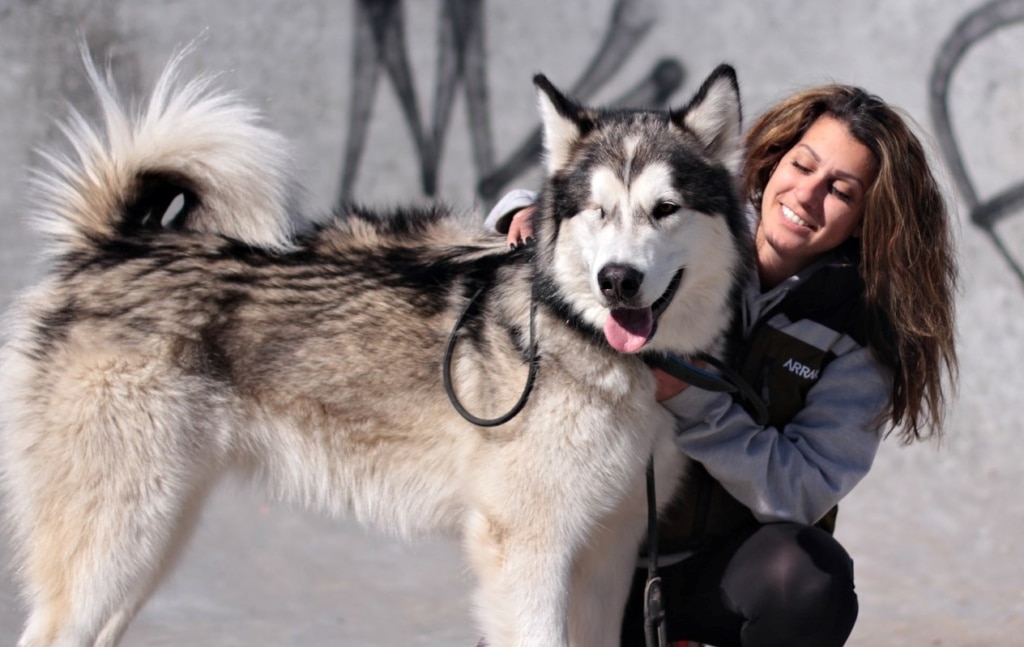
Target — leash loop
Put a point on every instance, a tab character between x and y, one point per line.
449	351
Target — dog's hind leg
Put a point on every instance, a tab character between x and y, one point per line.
118	622
101	472
86	596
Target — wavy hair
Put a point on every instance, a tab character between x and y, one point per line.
908	260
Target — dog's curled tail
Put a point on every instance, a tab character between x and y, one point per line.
193	158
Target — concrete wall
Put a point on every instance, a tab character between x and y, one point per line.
933	529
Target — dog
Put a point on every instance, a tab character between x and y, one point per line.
193	322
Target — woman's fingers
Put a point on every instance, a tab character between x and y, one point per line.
520	228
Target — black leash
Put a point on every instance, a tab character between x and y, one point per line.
654	608
447	368
729	381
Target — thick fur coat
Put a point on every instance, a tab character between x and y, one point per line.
194	322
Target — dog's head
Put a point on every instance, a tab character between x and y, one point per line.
641	237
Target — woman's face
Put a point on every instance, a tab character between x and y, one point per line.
814	200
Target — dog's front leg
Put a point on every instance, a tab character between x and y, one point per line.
602	574
522	597
606	565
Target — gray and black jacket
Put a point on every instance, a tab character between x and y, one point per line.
804	351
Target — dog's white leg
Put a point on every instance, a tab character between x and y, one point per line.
116	625
135	597
520	599
88	575
102	479
601	577
525	566
605	567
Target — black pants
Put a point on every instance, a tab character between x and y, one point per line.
779	584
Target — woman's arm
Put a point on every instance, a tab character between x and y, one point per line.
799	472
508	216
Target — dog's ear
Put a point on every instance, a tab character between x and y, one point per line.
564	122
715	116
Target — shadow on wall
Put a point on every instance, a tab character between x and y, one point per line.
974	27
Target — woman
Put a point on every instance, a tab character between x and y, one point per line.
847	332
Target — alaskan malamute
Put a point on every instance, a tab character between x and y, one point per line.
193	323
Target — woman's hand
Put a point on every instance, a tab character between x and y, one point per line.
520	228
667	386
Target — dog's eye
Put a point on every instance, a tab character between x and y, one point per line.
666	208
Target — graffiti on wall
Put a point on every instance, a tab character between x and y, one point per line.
974	27
381	50
381	53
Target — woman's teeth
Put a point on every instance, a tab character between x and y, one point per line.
793	218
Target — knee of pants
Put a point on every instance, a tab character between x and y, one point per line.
790	575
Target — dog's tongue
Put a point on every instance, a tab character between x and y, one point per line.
627	329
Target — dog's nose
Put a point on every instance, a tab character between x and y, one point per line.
619	282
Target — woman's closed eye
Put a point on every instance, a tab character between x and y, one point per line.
842	195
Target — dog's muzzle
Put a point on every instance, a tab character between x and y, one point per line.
629	327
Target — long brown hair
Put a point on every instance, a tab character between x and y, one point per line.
908	261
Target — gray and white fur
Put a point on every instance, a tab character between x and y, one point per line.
193	322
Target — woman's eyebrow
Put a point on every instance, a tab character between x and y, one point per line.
843	175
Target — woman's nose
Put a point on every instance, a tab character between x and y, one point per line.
809	191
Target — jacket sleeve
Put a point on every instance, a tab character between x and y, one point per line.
501	215
799	472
